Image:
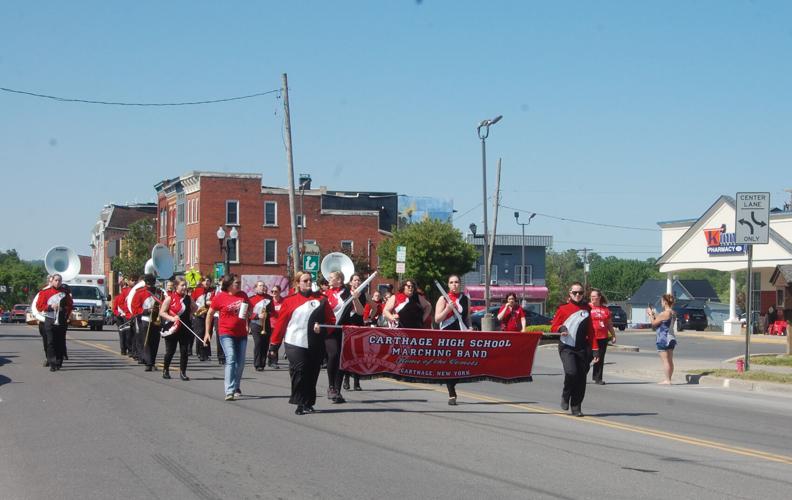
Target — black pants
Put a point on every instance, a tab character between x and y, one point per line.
56	340
123	338
261	341
334	374
304	368
576	366
199	326
451	384
596	374
182	338
149	335
43	334
132	337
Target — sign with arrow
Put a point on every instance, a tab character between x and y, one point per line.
752	218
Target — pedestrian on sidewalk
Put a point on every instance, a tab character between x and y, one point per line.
603	328
573	322
663	323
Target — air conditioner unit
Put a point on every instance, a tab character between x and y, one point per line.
493	282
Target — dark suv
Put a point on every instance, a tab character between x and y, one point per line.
618	317
689	318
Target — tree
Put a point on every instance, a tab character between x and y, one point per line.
562	268
435	250
620	278
22	279
135	248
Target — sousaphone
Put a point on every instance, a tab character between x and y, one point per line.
337	261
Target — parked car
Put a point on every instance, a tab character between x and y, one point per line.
689	318
5	317
19	312
531	317
618	317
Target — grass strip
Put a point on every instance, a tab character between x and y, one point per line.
772	360
753	375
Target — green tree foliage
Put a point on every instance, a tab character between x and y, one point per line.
21	279
435	250
620	278
561	269
135	248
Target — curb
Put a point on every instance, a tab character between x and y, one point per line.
738	384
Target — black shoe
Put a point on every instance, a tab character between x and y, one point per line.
599	382
149	368
299	411
331	393
576	411
165	374
221	361
184	376
452	401
357	387
346	385
309	409
339	399
259	368
123	353
52	369
564	405
46	364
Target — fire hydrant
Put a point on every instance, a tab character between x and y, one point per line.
741	365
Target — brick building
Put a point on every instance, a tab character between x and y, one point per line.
107	234
193	206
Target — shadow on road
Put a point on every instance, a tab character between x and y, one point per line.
631	414
4	380
5	359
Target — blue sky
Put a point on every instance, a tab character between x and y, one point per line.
623	113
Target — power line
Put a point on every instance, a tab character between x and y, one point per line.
112	103
578	221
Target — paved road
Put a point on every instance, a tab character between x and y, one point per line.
103	428
705	345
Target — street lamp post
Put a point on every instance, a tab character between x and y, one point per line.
225	245
522	241
487	321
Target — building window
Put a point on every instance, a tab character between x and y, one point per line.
163	218
232	213
493	274
195	253
300	219
270	251
180	252
347	246
233	250
780	297
523	276
270	213
197	208
180	213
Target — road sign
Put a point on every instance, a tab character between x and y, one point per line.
401	254
311	263
193	277
752	218
219	270
400	267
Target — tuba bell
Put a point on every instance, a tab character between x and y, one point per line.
64	261
337	261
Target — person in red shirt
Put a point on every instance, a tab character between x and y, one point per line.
602	324
176	310
202	297
573	321
373	310
41	323
232	306
122	317
260	328
56	304
511	315
277	302
298	327
447	319
145	307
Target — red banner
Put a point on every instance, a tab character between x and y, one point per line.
436	356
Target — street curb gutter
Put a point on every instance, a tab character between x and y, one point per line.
611	348
738	384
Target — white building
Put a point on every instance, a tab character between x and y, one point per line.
708	242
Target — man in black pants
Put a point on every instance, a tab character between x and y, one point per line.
573	321
145	305
260	328
56	304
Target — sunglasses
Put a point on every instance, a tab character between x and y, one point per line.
576	292
408	286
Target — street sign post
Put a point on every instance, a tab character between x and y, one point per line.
219	270
752	227
400	267
401	254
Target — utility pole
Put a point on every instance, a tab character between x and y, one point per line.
290	160
585	266
496	202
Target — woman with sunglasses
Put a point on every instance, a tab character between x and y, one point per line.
232	306
573	321
407	308
175	310
449	320
298	327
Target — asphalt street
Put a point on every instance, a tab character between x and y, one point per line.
103	428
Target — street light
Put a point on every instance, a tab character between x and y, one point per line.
225	245
522	268
488	321
305	180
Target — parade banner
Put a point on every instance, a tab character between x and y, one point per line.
437	356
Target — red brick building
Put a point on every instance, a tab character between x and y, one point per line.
192	207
